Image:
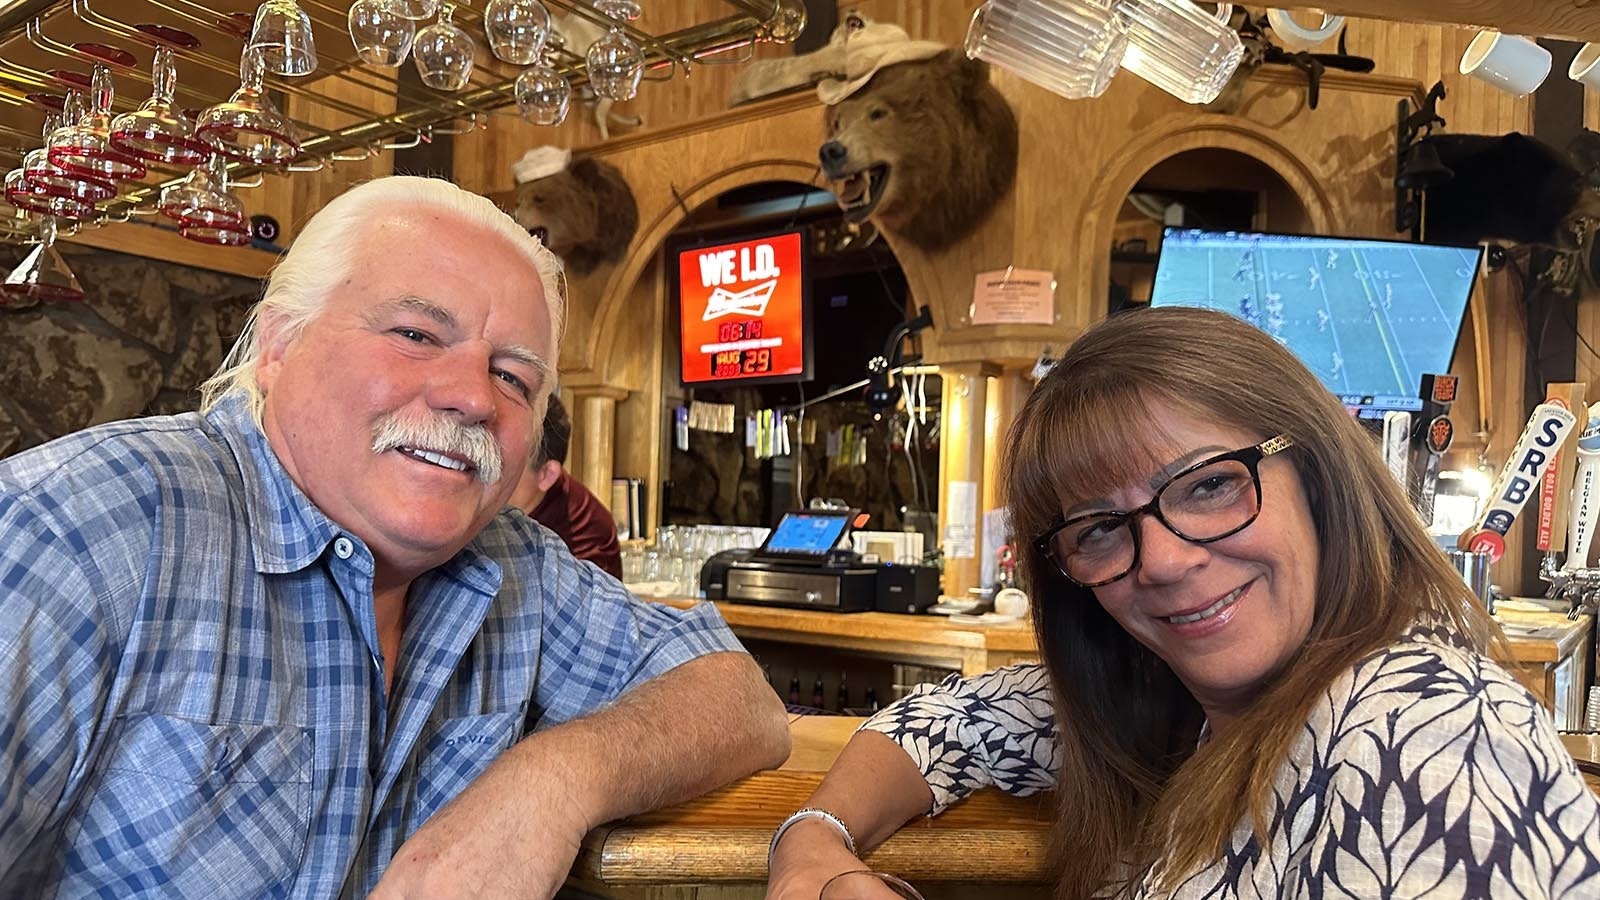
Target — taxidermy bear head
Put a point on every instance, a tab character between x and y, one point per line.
1511	188
584	213
926	149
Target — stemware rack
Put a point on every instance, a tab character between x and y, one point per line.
48	47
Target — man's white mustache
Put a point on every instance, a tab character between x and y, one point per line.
441	435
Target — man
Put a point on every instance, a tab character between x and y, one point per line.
288	647
561	503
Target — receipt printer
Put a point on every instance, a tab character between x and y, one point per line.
906	588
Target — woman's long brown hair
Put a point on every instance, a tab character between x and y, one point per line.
1134	791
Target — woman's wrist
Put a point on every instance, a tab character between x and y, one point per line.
811	826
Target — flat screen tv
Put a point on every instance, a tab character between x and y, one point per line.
743	310
1369	317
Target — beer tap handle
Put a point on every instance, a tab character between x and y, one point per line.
1535	449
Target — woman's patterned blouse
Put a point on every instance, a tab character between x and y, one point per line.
1425	771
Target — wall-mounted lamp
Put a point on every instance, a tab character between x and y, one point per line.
1417	164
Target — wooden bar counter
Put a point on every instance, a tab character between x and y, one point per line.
927	639
716	846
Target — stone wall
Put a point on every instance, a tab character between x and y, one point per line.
149	333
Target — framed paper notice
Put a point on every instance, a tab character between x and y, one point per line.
1013	296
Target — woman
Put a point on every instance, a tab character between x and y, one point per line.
1261	677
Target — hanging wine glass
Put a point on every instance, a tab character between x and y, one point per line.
543	94
443	53
615	60
43	274
158	131
47	178
417	9
516	29
30	198
786	24
248	127
381	32
282	37
85	149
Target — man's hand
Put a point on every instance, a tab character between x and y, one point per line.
506	837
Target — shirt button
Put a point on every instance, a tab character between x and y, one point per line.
342	548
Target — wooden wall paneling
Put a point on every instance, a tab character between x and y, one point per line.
1570	19
292	197
484	158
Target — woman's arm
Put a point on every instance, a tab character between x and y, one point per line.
919	755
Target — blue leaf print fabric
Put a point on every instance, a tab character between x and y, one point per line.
1425	771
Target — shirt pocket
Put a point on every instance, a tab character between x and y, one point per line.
189	809
454	753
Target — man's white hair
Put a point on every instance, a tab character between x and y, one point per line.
325	250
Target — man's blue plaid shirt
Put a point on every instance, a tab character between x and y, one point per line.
190	701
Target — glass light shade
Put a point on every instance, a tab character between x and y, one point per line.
43	275
443	53
381	32
516	29
543	95
282	37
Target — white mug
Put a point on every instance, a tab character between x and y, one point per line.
1510	62
1011	602
1295	36
1585	67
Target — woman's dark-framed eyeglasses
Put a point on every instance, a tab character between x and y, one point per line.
1208	501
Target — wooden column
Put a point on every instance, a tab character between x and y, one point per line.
594	428
962	472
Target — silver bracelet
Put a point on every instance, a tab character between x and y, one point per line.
810	812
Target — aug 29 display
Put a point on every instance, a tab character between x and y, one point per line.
742	311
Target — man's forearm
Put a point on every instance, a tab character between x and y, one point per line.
692	729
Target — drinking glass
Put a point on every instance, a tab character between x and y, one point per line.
516	29
786	24
864	885
158	131
543	95
1176	46
381	32
443	53
248	127
43	275
282	37
615	61
84	149
417	9
1070	47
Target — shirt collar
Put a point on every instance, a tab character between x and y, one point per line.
287	531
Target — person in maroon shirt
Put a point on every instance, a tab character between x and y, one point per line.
561	503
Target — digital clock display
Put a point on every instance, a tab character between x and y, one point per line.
742	311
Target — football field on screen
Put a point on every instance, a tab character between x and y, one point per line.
1363	320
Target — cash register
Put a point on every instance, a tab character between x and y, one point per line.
802	565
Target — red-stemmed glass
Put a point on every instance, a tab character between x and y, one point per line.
248	127
85	150
157	131
45	178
